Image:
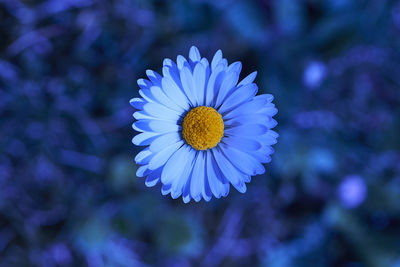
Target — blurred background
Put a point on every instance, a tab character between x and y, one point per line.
68	191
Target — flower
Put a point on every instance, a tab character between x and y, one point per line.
202	129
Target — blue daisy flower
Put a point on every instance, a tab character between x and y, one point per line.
202	130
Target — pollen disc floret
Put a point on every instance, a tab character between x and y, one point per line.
203	128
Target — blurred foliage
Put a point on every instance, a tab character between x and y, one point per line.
68	191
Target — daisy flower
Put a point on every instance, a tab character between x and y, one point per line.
202	130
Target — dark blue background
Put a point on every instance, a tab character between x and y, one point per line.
68	191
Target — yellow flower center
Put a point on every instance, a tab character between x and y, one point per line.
203	128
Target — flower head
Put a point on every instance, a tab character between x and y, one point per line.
202	130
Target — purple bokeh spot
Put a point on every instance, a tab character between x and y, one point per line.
314	74
352	191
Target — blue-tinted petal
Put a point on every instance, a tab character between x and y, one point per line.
194	54
199	79
164	140
180	178
144	84
216	59
242	161
248	108
163	126
161	157
249	119
161	112
188	85
249	79
198	177
144	156
153	178
137	103
180	61
143	171
142	126
144	139
142	115
247	130
229	171
229	83
214	84
218	184
164	99
247	144
147	95
165	189
238	97
175	93
154	77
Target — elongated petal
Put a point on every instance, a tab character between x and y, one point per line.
161	157
161	112
164	140
188	85
175	166
199	79
238	97
230	172
216	59
243	143
137	103
218	184
179	183
144	139
249	79
154	77
144	156
153	178
194	54
229	83
175	93
242	161
162	98
214	84
247	130
197	182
